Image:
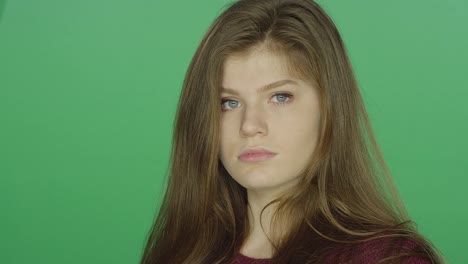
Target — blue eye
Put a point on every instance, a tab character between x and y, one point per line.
282	97
231	103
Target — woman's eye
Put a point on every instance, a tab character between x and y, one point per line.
282	98
227	104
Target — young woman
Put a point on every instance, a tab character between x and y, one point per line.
274	159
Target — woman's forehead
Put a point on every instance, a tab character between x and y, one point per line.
258	69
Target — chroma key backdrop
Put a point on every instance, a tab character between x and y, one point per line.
89	89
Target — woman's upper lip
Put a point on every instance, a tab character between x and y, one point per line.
257	150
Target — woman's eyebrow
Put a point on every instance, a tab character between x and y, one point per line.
262	89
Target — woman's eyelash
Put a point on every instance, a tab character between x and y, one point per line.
223	100
287	95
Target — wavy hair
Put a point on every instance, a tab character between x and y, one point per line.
346	194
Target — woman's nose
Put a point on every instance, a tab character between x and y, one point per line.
253	122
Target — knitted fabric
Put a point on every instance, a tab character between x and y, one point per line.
366	253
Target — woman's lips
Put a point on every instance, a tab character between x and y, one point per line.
256	155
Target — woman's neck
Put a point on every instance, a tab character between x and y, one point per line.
257	243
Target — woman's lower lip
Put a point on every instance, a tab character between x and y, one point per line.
256	157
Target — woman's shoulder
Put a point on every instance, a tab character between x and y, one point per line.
371	251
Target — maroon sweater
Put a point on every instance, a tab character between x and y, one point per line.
366	253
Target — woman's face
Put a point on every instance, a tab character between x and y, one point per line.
283	119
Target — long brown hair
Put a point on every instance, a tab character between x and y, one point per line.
346	193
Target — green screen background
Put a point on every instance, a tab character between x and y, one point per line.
88	93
